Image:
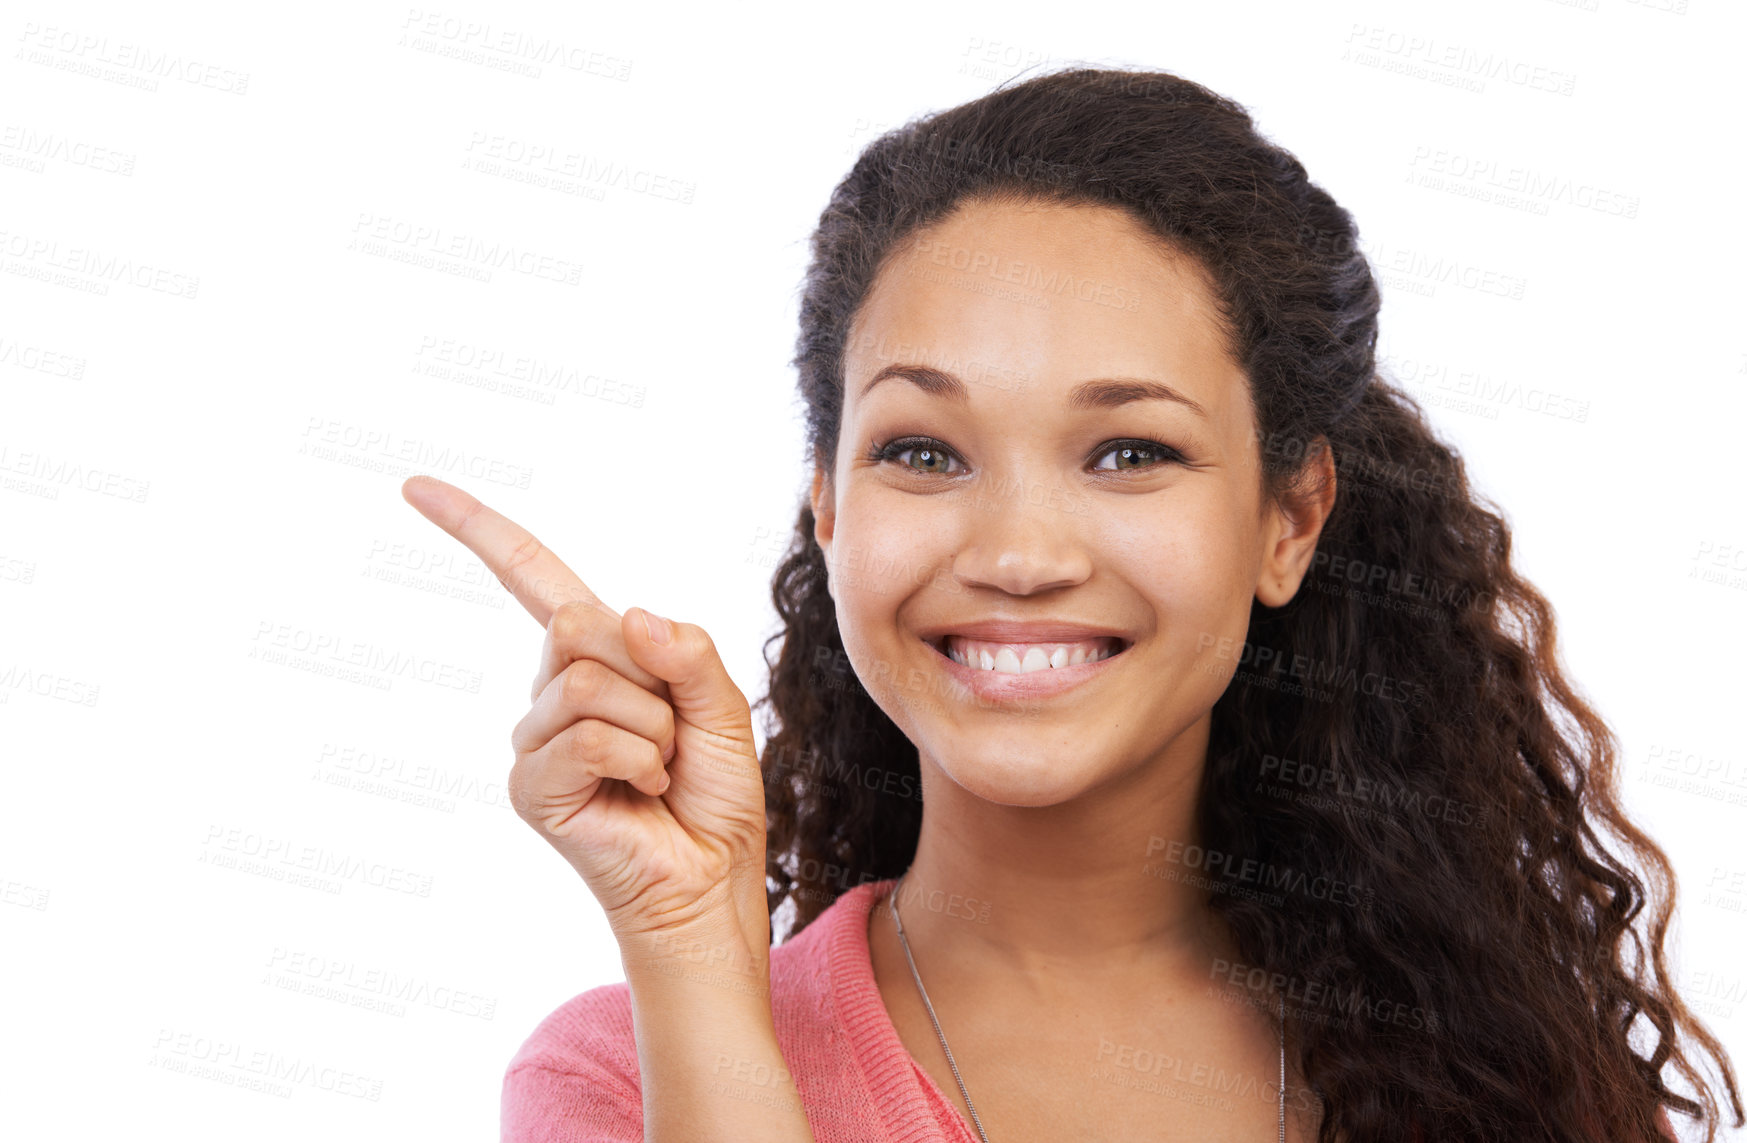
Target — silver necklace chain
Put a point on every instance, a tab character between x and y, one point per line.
892	901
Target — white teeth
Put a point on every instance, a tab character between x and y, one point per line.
1023	658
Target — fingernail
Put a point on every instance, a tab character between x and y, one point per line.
666	781
660	630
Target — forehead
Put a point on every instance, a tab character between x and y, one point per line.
1035	297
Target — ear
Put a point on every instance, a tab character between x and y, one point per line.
1291	531
824	503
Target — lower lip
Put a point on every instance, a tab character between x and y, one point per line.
998	685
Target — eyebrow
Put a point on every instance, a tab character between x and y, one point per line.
1101	393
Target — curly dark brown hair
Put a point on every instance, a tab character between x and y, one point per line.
1502	911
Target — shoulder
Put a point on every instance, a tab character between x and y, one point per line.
590	1033
577	1068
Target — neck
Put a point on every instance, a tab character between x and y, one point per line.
1079	891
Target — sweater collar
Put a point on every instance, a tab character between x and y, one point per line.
906	1094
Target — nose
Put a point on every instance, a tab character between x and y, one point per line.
1020	544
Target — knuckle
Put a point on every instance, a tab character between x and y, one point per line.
518	738
588	741
525	551
584	680
567	623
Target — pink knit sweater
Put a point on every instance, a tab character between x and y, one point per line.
575	1079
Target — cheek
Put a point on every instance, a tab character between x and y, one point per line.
1188	555
880	555
890	558
882	563
1193	564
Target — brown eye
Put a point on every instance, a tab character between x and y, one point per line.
926	456
928	459
1131	455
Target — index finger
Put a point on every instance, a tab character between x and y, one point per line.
531	571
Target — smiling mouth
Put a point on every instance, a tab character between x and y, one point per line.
1026	658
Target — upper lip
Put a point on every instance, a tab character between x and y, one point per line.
1033	631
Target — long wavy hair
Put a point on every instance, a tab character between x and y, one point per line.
1494	901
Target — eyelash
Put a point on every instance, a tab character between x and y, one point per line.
891	450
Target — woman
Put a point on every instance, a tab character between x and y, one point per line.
1162	744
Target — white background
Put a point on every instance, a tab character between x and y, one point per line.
170	523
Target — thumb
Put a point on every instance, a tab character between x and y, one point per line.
699	686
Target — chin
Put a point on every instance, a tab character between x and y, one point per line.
1020	779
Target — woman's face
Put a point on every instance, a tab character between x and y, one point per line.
1060	490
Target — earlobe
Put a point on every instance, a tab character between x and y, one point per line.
1296	527
824	518
824	510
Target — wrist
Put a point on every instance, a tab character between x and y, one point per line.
711	950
